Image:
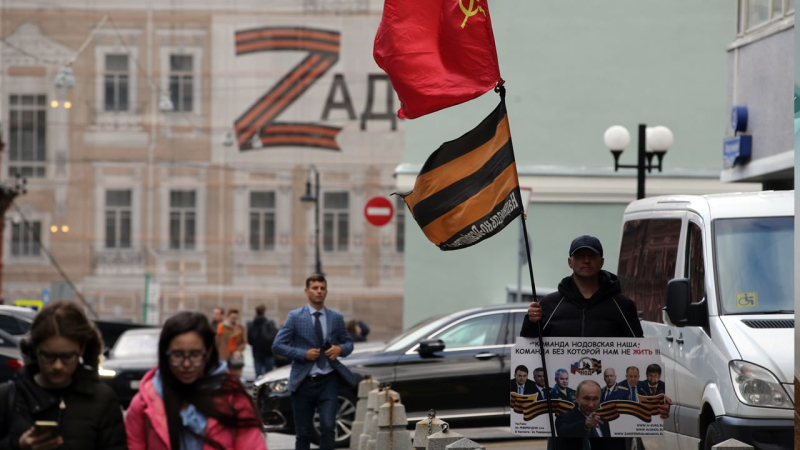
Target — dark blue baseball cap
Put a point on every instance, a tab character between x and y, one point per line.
586	241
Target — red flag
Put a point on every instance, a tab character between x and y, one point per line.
438	53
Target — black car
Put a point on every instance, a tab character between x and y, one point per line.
10	357
136	352
457	364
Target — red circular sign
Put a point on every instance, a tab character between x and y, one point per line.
378	211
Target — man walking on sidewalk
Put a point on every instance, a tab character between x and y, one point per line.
314	337
261	335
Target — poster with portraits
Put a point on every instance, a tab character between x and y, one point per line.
599	387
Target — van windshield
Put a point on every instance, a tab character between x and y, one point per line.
755	265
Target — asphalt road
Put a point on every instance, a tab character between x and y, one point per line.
491	438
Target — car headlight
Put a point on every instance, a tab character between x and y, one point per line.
757	386
106	373
279	386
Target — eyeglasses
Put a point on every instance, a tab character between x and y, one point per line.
195	357
50	358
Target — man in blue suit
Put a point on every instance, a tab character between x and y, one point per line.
314	337
629	388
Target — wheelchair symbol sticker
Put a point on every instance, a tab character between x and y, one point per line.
746	300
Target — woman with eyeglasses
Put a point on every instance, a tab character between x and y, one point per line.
190	402
59	384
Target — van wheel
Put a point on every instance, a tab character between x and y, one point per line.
713	436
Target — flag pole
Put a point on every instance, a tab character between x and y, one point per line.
502	91
539	330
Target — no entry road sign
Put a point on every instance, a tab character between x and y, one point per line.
378	211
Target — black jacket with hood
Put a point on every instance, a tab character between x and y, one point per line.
567	313
88	412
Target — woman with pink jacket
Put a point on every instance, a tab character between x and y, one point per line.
190	402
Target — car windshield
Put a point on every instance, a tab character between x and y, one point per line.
415	333
755	265
136	344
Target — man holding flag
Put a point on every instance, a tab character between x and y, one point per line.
588	303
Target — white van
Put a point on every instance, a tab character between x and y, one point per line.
713	278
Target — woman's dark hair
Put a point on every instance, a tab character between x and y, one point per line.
65	319
209	392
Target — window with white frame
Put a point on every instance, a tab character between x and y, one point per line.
753	14
182	219
27	135
118	218
25	238
116	82
335	221
400	225
262	220
181	82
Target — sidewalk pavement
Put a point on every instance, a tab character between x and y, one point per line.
490	437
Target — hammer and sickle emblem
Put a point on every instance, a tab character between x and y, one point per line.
468	11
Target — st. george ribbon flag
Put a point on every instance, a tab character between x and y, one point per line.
468	189
437	53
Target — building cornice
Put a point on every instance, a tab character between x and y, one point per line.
556	184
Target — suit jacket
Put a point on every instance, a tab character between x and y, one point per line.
297	335
530	387
541	391
615	393
625	390
660	388
573	424
556	394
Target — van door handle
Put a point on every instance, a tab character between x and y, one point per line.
669	337
680	339
486	355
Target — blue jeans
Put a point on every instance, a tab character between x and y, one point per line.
263	364
322	395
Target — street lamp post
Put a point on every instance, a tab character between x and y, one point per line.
653	141
307	200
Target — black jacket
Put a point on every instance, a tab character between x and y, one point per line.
567	313
573	424
261	334
91	417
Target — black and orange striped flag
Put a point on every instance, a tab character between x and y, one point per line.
468	190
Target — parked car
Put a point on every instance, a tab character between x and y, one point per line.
457	364
10	357
16	319
712	276
136	352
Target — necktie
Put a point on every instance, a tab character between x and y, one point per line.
633	394
321	361
519	388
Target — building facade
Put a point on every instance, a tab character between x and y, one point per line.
760	79
166	148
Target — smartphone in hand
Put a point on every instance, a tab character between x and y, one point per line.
46	428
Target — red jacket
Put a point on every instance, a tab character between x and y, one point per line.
146	423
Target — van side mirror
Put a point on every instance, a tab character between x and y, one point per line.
680	309
679	296
430	346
